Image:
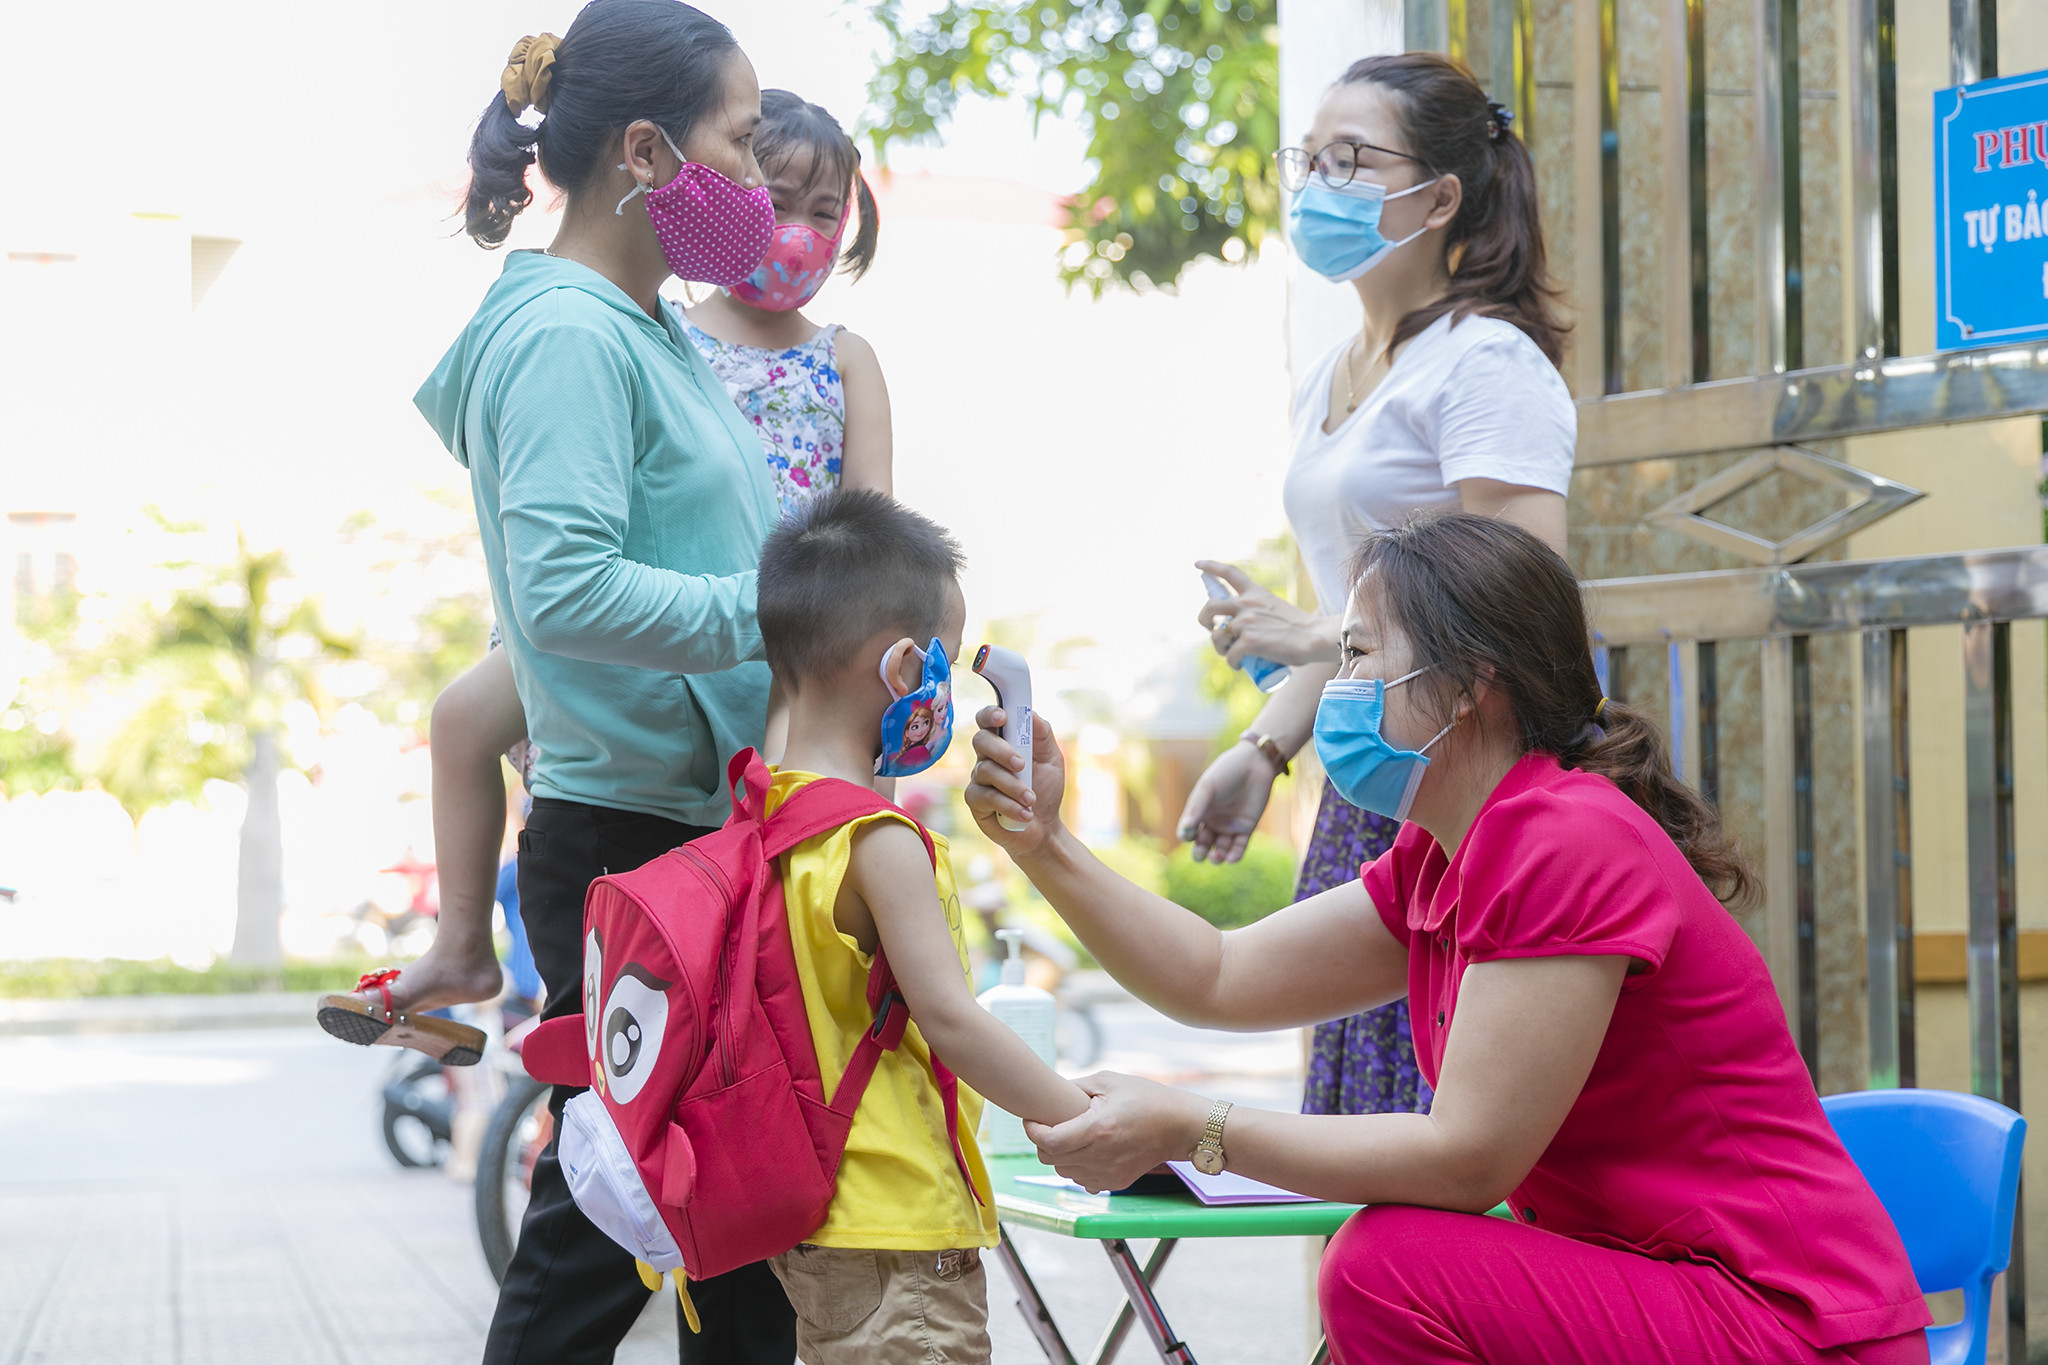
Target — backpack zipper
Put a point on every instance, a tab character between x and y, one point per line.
717	878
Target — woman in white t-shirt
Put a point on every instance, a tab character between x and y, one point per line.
1412	186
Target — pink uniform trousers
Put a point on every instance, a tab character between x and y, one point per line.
1421	1286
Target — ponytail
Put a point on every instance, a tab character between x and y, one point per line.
499	152
855	259
1500	267
1628	749
1483	602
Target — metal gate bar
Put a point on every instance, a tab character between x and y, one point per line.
1888	860
1878	601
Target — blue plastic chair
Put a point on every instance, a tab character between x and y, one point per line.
1947	1168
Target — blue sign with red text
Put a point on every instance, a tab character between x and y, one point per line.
1991	212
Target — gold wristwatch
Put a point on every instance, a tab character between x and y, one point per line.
1208	1154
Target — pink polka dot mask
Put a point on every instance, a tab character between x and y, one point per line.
710	229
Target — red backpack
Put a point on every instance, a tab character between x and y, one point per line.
706	1141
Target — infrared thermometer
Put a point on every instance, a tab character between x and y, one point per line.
1006	671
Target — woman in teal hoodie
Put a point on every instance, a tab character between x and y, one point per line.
622	501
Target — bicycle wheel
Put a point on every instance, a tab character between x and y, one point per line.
1077	1037
520	1128
417	1110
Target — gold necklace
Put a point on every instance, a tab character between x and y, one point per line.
1351	377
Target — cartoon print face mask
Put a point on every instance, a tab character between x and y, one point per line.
918	725
798	261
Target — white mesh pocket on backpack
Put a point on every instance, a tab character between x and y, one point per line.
607	1185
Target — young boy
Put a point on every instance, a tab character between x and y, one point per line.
853	587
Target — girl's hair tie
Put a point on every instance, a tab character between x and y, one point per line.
529	71
1598	709
1498	119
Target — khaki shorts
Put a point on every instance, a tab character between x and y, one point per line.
887	1307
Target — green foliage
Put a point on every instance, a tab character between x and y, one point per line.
1178	98
435	544
211	668
63	978
32	758
1270	567
1138	861
1233	894
36	748
453	633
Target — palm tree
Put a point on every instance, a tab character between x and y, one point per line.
217	670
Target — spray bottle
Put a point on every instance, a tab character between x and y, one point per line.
1030	1013
1264	672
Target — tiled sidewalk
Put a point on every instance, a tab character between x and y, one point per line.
275	1272
216	1198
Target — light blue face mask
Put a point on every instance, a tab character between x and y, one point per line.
1335	229
1366	770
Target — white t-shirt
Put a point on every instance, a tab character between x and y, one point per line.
1474	401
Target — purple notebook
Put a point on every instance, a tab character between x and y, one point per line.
1230	1188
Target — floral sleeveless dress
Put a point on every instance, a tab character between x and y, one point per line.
1364	1064
795	400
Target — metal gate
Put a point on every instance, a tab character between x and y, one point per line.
1665	377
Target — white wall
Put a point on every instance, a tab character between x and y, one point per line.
1318	40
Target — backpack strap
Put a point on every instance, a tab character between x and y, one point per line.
824	805
818	808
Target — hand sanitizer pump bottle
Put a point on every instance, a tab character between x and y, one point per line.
1030	1014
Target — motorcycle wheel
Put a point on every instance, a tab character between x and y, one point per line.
416	1111
521	1127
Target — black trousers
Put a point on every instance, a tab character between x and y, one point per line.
571	1293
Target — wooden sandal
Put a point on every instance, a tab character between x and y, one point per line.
356	1020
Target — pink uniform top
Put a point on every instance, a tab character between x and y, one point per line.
1698	1135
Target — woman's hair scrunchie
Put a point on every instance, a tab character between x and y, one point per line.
1498	119
528	72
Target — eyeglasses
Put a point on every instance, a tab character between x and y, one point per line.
1337	163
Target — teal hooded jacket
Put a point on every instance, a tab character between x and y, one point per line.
622	499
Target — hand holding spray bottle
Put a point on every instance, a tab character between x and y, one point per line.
1264	672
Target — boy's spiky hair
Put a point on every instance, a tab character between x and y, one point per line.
843	568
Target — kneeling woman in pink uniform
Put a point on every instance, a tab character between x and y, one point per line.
1606	1048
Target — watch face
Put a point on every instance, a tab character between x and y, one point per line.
1208	1160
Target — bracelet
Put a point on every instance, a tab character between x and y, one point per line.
1265	745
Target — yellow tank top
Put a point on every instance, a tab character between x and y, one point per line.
899	1187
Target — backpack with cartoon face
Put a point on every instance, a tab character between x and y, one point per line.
706	1140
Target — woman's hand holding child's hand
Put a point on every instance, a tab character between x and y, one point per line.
1131	1126
997	786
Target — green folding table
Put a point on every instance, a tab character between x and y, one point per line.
1114	1220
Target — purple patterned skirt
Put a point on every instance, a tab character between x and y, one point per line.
1364	1064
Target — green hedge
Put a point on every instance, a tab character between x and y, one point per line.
1233	894
63	977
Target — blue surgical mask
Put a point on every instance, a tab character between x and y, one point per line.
1335	229
1366	770
918	725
